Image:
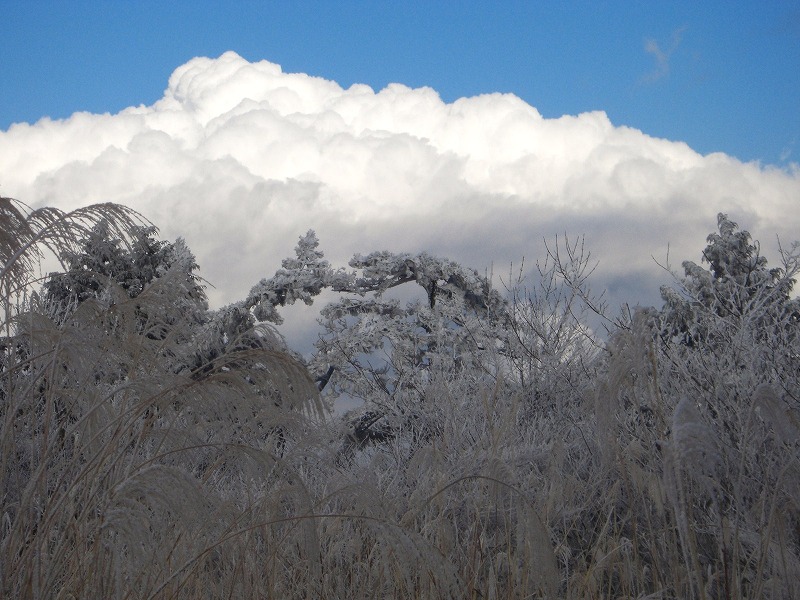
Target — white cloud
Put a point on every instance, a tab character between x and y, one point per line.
662	57
241	158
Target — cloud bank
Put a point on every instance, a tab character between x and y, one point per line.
241	158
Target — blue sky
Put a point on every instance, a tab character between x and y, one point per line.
721	76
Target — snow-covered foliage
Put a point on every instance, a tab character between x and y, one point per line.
301	278
737	288
503	449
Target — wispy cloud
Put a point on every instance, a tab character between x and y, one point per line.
662	55
787	150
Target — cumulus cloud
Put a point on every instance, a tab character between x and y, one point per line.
241	158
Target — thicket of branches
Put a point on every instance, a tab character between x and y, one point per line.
151	448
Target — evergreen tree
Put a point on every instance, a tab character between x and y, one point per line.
738	286
381	351
102	258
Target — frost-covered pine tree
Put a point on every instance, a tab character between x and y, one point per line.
383	351
132	262
737	287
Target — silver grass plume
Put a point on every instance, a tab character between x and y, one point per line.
777	414
694	443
